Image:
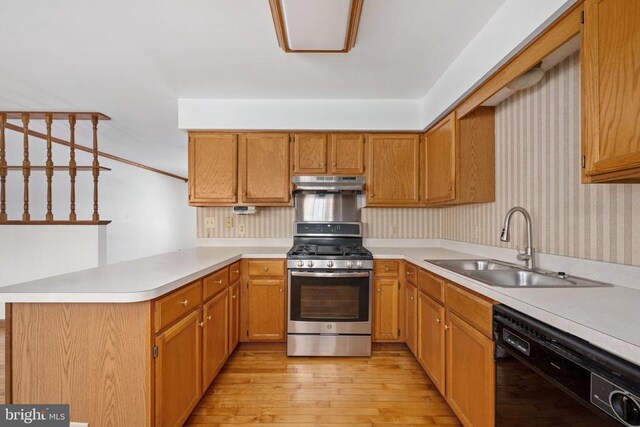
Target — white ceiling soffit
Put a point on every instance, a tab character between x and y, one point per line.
316	24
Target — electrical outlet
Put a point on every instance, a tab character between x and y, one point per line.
209	222
241	229
228	222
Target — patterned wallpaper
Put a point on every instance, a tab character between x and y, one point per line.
537	167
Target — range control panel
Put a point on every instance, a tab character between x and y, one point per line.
328	229
615	401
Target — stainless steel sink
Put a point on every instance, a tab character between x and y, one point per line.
501	274
472	264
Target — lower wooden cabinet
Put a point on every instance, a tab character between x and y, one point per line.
431	339
215	333
411	317
266	310
470	373
386	324
234	316
178	371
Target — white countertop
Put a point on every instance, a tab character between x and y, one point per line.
607	317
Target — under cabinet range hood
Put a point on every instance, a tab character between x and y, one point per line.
332	184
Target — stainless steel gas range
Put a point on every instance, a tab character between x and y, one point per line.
330	278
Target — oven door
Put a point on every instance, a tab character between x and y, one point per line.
336	302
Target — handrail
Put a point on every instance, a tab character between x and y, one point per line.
100	153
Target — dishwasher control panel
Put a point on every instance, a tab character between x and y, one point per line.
615	401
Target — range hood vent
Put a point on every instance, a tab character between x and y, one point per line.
328	183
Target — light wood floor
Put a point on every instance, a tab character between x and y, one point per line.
270	388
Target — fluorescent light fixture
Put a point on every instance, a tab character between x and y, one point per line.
527	79
316	25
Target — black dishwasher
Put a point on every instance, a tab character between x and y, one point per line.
546	377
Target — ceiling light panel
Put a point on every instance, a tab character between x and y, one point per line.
316	24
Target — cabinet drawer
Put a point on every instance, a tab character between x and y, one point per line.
431	284
215	282
386	268
411	273
473	308
266	268
234	272
175	305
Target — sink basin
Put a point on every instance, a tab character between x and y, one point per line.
505	275
472	264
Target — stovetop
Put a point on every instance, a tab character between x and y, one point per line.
309	251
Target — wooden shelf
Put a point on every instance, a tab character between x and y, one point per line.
58	115
57	168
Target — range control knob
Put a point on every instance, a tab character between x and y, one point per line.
329	263
625	407
309	263
349	264
299	263
359	264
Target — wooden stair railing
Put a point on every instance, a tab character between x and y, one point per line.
49	167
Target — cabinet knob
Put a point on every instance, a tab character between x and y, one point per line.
409	273
233	296
185	302
209	317
446	328
386	269
411	298
236	271
201	324
335	163
450	188
219	282
266	269
378	289
438	321
281	290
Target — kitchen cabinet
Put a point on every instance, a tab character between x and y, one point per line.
460	159
386	301
264	314
411	317
213	169
309	154
393	170
215	332
234	316
609	59
431	339
332	154
178	371
264	169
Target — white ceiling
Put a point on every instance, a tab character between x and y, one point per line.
132	60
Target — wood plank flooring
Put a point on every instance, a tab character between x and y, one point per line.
389	388
256	387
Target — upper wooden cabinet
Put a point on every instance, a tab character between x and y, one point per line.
264	169
346	154
610	90
393	175
332	154
460	159
213	168
309	154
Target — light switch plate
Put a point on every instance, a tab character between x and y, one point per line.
228	222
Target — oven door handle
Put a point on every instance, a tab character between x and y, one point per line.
313	274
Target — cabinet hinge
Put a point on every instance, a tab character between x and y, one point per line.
582	17
155	351
584	162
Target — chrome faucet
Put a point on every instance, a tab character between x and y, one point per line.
528	256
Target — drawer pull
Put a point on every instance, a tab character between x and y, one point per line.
411	298
209	317
379	290
281	290
233	296
409	273
236	271
266	269
386	269
185	302
201	324
219	282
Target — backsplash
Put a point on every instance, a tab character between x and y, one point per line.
538	167
278	222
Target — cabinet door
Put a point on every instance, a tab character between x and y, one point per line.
234	316
265	309
393	176
470	373
213	169
264	168
386	306
440	154
346	154
411	317
431	339
178	371
215	337
611	94
309	154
